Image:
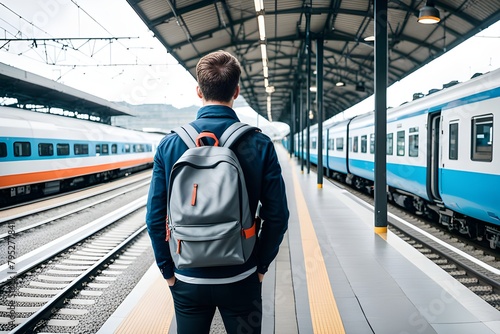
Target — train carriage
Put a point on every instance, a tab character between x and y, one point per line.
42	154
469	168
442	155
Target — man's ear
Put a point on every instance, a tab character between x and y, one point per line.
236	92
198	92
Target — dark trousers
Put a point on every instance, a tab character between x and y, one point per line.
239	303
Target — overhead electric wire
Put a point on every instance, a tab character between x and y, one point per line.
67	45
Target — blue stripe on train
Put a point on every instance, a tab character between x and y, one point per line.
405	177
473	194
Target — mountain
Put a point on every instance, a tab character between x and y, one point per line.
163	118
160	117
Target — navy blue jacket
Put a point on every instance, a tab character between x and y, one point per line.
264	182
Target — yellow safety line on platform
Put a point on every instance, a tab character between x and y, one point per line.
325	315
153	313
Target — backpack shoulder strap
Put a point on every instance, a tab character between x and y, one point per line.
234	132
188	134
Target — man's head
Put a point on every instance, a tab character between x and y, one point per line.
218	74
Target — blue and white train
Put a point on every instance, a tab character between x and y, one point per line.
43	154
443	157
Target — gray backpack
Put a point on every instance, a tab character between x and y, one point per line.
208	214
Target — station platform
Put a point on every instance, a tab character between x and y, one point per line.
333	274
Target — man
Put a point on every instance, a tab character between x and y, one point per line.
235	290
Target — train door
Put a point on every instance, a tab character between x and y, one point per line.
434	126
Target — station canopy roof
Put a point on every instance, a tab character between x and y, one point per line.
31	89
190	29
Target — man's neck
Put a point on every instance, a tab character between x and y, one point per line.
218	103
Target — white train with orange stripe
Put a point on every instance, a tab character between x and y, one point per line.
43	154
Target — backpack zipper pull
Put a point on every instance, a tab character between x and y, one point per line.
193	196
178	247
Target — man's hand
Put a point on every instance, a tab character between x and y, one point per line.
261	277
171	281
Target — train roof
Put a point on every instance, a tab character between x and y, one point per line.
190	29
469	91
32	119
32	89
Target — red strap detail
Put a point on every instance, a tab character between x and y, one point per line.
206	134
167	237
249	232
193	196
178	247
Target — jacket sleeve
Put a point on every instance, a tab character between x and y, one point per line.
274	210
157	208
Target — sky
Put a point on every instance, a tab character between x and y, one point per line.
147	74
137	68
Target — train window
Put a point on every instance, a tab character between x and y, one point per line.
390	144
453	149
314	143
81	149
45	149
413	145
372	143
482	138
364	143
355	144
62	149
331	144
400	143
138	148
340	144
114	149
97	149
22	149
149	148
3	150
126	148
105	149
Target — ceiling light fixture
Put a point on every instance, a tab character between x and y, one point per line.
340	83
429	14
261	24
262	27
259	5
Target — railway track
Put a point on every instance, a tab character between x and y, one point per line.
24	210
36	227
57	216
470	263
75	281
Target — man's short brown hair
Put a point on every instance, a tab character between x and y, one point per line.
218	74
